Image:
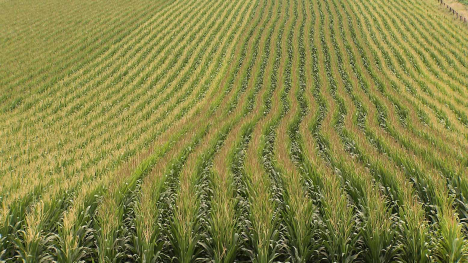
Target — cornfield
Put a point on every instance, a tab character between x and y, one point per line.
233	131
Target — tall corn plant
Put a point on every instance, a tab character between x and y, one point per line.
302	224
413	233
146	242
451	245
76	233
185	234
378	232
12	223
264	233
37	239
30	246
340	230
112	235
223	228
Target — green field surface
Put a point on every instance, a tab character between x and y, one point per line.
233	131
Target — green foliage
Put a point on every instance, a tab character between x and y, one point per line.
233	131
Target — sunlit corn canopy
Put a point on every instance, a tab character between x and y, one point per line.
233	131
